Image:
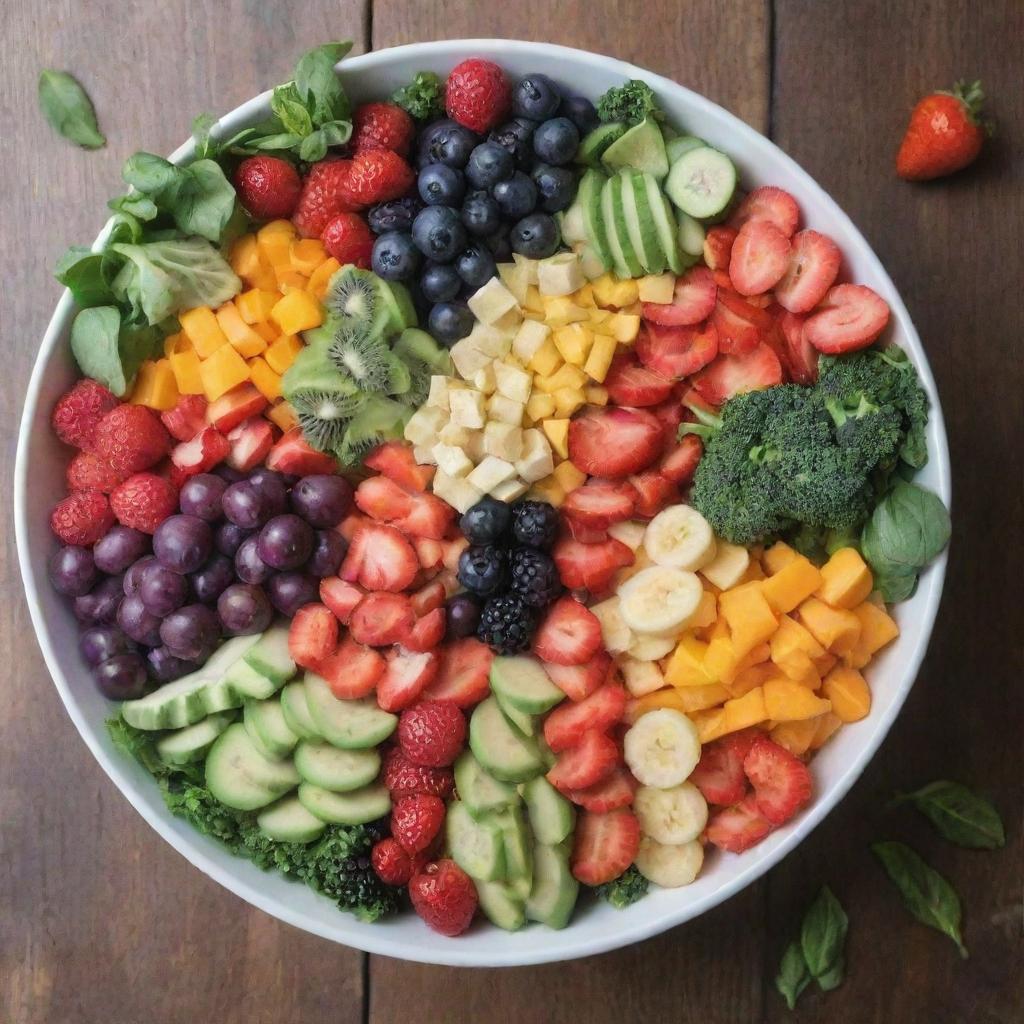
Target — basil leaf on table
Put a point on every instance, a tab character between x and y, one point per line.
823	933
793	976
68	109
833	977
82	271
94	344
925	893
960	815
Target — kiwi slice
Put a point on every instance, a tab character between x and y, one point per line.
356	300
369	361
397	302
414	344
378	420
419	382
324	401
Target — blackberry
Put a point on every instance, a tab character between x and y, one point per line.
535	523
507	624
394	215
483	569
534	577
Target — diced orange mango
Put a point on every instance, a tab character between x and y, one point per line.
281	354
185	367
202	330
827	725
546	360
752	574
297	311
600	358
254	306
267	382
573	342
792	636
849	692
282	415
877	628
321	277
224	370
795	736
664	698
267	331
557	433
289	280
720	662
834	628
846	579
793	583
741	712
700	698
275	242
787	701
249	264
143	385
706	613
686	665
710	724
750	617
824	663
750	678
175	342
777	556
306	255
548	490
244	339
799	667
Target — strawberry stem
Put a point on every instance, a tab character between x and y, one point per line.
972	96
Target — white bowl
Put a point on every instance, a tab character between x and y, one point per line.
39	484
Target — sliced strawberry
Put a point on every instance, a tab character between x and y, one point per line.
599	505
760	256
564	727
427	632
569	634
771	204
429	517
312	636
739	827
671	414
813	265
394	459
351	524
718	246
382	619
782	783
590	566
352	671
383	499
292	454
250	442
208	448
655	491
740	324
732	375
604	845
585	764
583	533
616	790
630	383
340	597
406	676
380	558
676	351
238	404
428	599
463	674
692	300
719	773
614	442
851	318
578	682
801	356
187	417
680	463
429	552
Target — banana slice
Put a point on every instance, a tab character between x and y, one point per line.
669	866
671	816
650	648
640	677
659	600
617	636
726	569
662	748
642	561
680	538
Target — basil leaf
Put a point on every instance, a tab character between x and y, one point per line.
314	147
793	976
204	201
94	344
290	109
833	977
81	270
202	127
823	933
318	84
896	586
925	893
907	529
151	174
135	205
961	816
68	109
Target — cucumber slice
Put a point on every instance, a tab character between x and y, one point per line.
675	148
701	182
238	775
547	755
479	791
478	847
188	745
554	891
571	225
504	752
643	231
501	906
350	724
691	235
295	708
665	222
551	816
641	148
618	232
594	144
524	684
288	821
245	681
355	808
588	197
340	771
264	721
517	841
520	719
270	657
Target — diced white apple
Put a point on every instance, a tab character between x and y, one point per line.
536	462
484	380
468	358
474	446
560	274
512	382
491	301
424	425
529	267
437	396
503	440
454	435
451	460
467	409
509	490
641	677
514	278
530	336
423	455
630	533
505	410
491	340
491	472
457	491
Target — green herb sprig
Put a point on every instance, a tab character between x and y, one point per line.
68	109
819	953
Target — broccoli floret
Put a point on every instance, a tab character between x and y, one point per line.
625	890
422	98
629	103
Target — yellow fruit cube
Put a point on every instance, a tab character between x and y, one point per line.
321	278
142	387
282	415
267	382
573	342
267	330
685	666
306	254
700	698
777	556
297	311
706	613
568	400
254	306
721	661
742	712
546	360
557	433
793	583
600	359
827	725
165	387
176	343
795	736
549	490
658	288
791	636
565	376
750	617
846	579
248	263
665	698
560	311
609	291
185	367
281	354
275	242
825	663
836	629
568	476
289	280
877	628
202	330
750	678
710	724
245	340
585	296
534	300
540	406
625	327
224	370
786	701
600	316
595	394
752	574
849	692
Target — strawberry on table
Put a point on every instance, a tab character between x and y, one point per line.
578	682
348	238
782	783
739	827
463	674
380	558
585	764
375	176
771	204
432	733
416	819
614	442
630	383
675	352
569	634
945	133
692	301
382	126
590	566
477	94
88	472
341	597
78	412
312	636
851	317
144	501
267	186
566	724
813	265
82	518
323	197
760	257
131	438
352	671
444	896
604	845
615	790
401	777
381	619
406	675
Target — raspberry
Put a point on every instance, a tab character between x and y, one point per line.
88	472
82	518
477	94
416	820
268	186
144	501
391	862
444	896
382	126
402	777
323	197
376	175
432	733
349	240
79	411
132	438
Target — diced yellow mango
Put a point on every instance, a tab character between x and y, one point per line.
665	698
720	662
877	628
267	330
245	340
565	376
609	291
786	701
297	311
267	382
202	330
824	663
625	327
165	387
560	310
176	343
282	415
600	359
795	736
596	394
549	490
751	677
534	300
827	725
836	629
573	342
750	617
791	636
568	400
321	278
306	254
568	476
700	698
540	406
793	583
281	354
798	666
849	692
846	579
546	360
275	242
289	280
585	296
557	433
777	556
706	613
600	316
185	367
685	666
224	370
752	574
741	712
710	724
142	387
255	305
658	288
248	263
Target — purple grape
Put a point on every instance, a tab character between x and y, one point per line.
122	677
463	617
201	496
246	505
140	625
328	554
166	667
209	582
161	590
289	591
229	473
102	642
323	501
183	543
134	573
99	606
119	547
249	567
286	542
72	571
272	486
191	633
244	609
229	537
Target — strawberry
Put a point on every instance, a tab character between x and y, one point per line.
586	763
760	257
236	405
348	238
391	863
312	635
583	533
323	197
428	517
692	301
453	552
340	597
144	501
801	356
381	619
444	896
813	265
630	383
945	133
731	375
564	727
719	773
292	454
614	442
680	463
380	558
782	783
767	204
432	733
851	317
250	442
375	176
739	827
267	186
428	599
739	323
615	790
187	417
578	682
670	414
189	458
718	246
676	351
394	459
352	670
406	676
599	504
416	819
427	632
401	777
654	492
81	518
569	634
78	412
88	472
429	552
604	845
351	524
462	677
477	94
131	438
590	566
382	126
382	499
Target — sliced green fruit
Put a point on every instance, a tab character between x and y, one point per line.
269	655
504	752
701	182
588	197
594	143
524	684
265	723
188	745
355	808
522	721
477	846
641	148
295	709
691	235
554	891
624	257
350	724
675	148
552	817
338	770
288	821
517	841
643	232
480	791
238	775
501	906
665	222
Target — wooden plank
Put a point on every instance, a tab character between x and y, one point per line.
846	77
101	920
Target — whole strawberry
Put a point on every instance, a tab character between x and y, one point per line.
477	94
432	733
88	472
382	126
945	133
268	187
144	501
401	777
82	518
376	176
416	820
132	438
444	896
348	239
323	197
392	863
79	411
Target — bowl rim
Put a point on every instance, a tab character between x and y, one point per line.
560	945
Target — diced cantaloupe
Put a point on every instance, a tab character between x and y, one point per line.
202	330
306	254
600	359
827	725
849	692
267	382
751	677
320	278
665	698
267	330
686	664
787	701
700	698
255	305
246	341
275	242
297	311
741	712
795	736
836	629
557	433
793	583
142	388
750	617
165	387
846	579
249	264
185	367
792	636
281	354
752	574
877	628
777	556
568	476
282	415
222	371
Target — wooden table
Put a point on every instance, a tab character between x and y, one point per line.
100	921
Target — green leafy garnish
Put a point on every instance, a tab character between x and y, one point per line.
818	954
82	271
625	890
111	351
422	98
960	815
629	103
793	976
67	107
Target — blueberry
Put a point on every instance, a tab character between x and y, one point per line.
445	142
480	214
556	187
440	282
450	321
395	215
516	196
441	185
580	111
535	96
517	137
486	521
556	141
395	258
499	244
488	164
475	265
483	569
439	234
536	237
